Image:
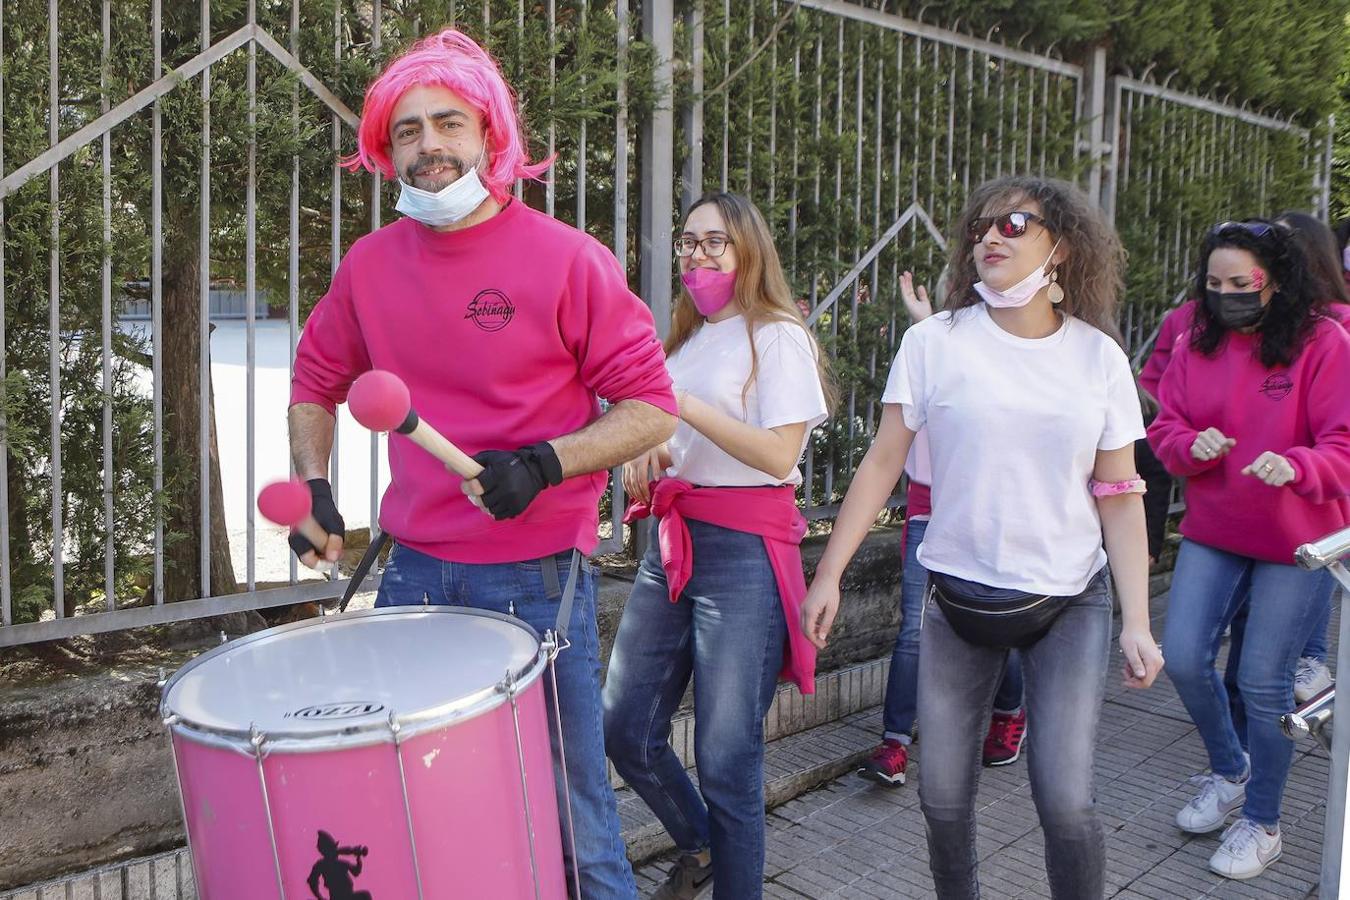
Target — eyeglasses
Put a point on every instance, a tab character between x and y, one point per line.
1010	225
1255	229
713	246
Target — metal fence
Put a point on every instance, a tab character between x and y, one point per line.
858	131
313	97
221	304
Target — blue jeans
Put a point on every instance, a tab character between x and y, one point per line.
1283	605
902	684
727	630
1065	674
412	578
1316	648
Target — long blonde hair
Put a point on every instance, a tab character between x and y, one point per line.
761	290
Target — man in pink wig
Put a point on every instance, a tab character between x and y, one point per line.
507	326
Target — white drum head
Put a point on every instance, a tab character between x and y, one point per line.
347	675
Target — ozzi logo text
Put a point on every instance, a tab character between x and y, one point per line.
336	710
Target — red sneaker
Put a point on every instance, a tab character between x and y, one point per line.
1003	743
887	764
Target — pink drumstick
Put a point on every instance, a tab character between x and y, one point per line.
289	503
380	401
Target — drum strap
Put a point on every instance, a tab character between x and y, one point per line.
553	587
363	569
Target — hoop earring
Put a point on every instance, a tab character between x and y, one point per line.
1055	292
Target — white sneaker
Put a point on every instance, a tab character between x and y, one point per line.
1311	677
1247	850
1218	799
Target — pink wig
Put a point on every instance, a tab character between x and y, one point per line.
452	60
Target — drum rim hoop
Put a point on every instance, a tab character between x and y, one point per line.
352	735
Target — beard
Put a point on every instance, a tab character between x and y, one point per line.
454	169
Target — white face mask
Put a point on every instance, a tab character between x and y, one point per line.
446	206
1021	293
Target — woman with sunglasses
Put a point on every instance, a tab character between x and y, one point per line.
1032	415
723	576
888	763
1256	417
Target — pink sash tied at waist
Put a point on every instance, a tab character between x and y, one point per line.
771	513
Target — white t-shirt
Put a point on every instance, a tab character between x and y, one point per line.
713	366
919	466
1015	425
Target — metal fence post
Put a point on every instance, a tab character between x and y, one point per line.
1333	553
691	180
1112	149
1094	115
1323	198
658	182
658	167
1333	830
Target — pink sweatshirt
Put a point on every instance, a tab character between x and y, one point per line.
505	333
771	513
1177	324
1301	412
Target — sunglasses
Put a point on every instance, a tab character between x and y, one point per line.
1010	225
1255	229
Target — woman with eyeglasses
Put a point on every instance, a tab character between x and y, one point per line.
1032	415
722	577
1256	417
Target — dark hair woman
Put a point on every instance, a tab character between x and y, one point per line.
1256	417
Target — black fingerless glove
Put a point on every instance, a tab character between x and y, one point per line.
324	512
511	480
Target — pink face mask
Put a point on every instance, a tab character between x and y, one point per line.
712	289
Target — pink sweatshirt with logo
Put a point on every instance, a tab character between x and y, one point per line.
1176	325
1301	412
506	333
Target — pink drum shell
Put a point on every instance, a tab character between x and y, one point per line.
465	801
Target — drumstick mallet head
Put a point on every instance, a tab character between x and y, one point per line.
380	401
289	503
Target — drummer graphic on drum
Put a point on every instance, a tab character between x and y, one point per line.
337	873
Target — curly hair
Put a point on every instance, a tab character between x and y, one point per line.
1091	273
1293	311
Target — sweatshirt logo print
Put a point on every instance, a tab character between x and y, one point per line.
1277	386
491	310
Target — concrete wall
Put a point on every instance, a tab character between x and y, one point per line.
86	777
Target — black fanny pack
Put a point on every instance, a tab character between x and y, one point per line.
994	617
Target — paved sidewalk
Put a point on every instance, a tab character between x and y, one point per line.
852	839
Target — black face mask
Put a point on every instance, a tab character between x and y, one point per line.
1235	310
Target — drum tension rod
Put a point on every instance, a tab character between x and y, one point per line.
552	645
